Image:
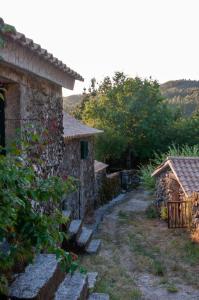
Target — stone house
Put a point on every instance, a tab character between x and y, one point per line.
33	79
79	163
177	180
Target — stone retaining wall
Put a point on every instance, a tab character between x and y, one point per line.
106	186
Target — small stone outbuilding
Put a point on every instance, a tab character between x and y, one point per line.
33	79
177	178
79	163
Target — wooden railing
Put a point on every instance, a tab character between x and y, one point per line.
179	214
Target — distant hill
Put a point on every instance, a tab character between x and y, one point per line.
71	102
183	94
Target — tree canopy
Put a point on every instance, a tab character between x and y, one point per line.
133	115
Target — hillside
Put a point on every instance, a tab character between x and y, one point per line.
183	94
71	102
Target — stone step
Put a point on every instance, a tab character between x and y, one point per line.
93	247
74	287
98	296
85	237
92	278
75	228
39	281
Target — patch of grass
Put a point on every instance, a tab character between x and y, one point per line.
191	252
122	215
158	268
147	255
163	280
136	294
171	288
151	212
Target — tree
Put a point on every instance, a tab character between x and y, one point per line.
133	115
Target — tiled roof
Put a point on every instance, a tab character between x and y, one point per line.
186	170
36	49
75	129
98	166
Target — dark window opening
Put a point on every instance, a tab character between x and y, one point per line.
84	149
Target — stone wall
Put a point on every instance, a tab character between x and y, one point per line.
168	188
81	202
107	186
32	101
100	186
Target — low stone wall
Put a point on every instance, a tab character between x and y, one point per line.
107	187
100	183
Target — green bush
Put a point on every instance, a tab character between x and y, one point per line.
152	212
146	179
30	215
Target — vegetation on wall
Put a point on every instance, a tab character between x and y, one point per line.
30	215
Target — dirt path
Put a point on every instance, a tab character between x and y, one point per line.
141	259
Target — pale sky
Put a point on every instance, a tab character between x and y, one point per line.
158	38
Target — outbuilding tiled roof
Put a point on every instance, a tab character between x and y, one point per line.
37	49
186	170
75	129
99	166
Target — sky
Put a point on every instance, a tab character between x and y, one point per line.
157	38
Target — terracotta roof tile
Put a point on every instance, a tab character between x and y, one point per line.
28	43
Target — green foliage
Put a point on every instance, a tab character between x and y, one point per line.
137	120
147	170
132	114
146	179
136	294
151	212
191	251
30	215
171	288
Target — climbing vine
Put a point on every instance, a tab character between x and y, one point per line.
30	217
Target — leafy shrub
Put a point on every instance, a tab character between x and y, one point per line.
30	215
146	179
151	212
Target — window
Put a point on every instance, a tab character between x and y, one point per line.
84	149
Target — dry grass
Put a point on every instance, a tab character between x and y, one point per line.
134	244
